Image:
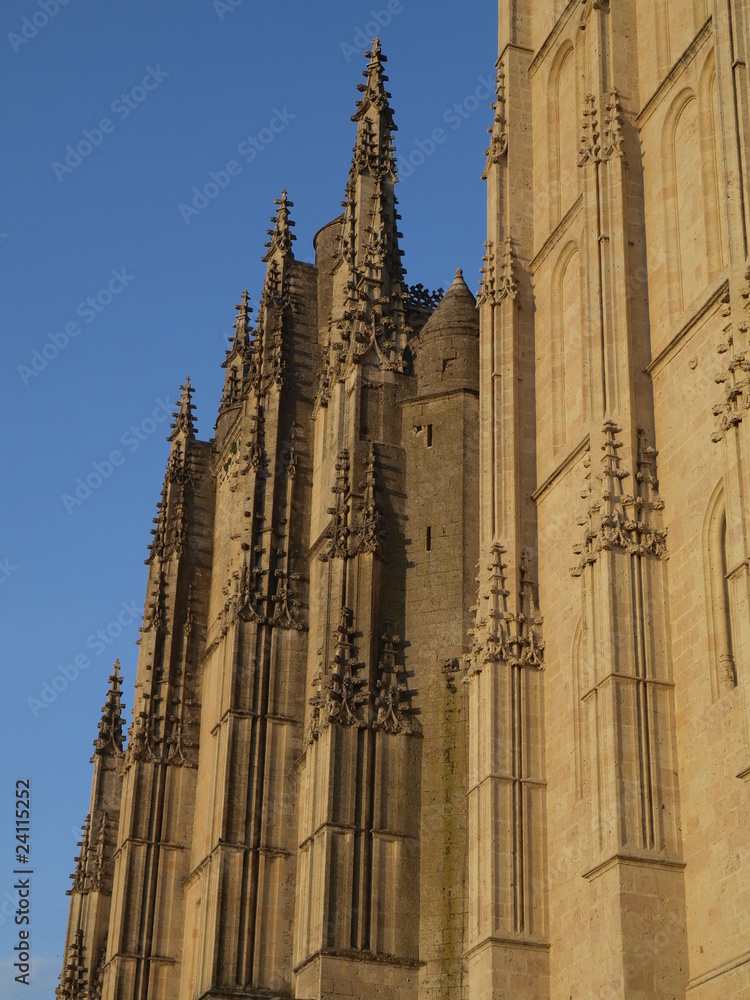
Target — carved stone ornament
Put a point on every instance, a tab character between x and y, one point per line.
589	143
599	145
500	635
499	129
79	876
142	741
589	7
735	378
178	743
338	531
73	977
392	701
616	520
98	858
419	297
612	129
498	281
341	693
368	532
155	616
347	693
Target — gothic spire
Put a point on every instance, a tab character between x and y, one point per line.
240	342
373	282
73	976
109	740
238	356
78	877
183	418
373	150
281	235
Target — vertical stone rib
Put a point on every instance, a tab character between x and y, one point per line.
504	675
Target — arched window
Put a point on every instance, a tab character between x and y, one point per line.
563	134
691	234
721	639
711	161
685	219
568	406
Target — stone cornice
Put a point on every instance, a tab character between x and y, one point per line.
438	395
355	955
506	942
631	858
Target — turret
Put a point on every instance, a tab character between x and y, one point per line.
447	355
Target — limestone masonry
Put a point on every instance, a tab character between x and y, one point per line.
355	767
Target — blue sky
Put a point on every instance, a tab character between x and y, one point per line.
117	282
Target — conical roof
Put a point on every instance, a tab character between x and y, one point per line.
457	311
447	357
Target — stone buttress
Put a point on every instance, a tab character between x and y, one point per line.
240	890
294	787
144	948
91	891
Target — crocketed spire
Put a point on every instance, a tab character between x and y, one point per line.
281	235
373	150
238	356
368	243
110	740
183	418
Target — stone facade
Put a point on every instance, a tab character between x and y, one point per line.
358	769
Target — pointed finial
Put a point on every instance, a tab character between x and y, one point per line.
458	285
110	740
183	418
373	91
374	73
238	356
240	342
281	235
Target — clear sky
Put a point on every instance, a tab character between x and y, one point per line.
120	274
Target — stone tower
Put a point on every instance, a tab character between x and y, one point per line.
359	768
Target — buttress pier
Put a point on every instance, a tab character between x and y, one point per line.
293	791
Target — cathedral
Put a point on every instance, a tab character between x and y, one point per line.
443	689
